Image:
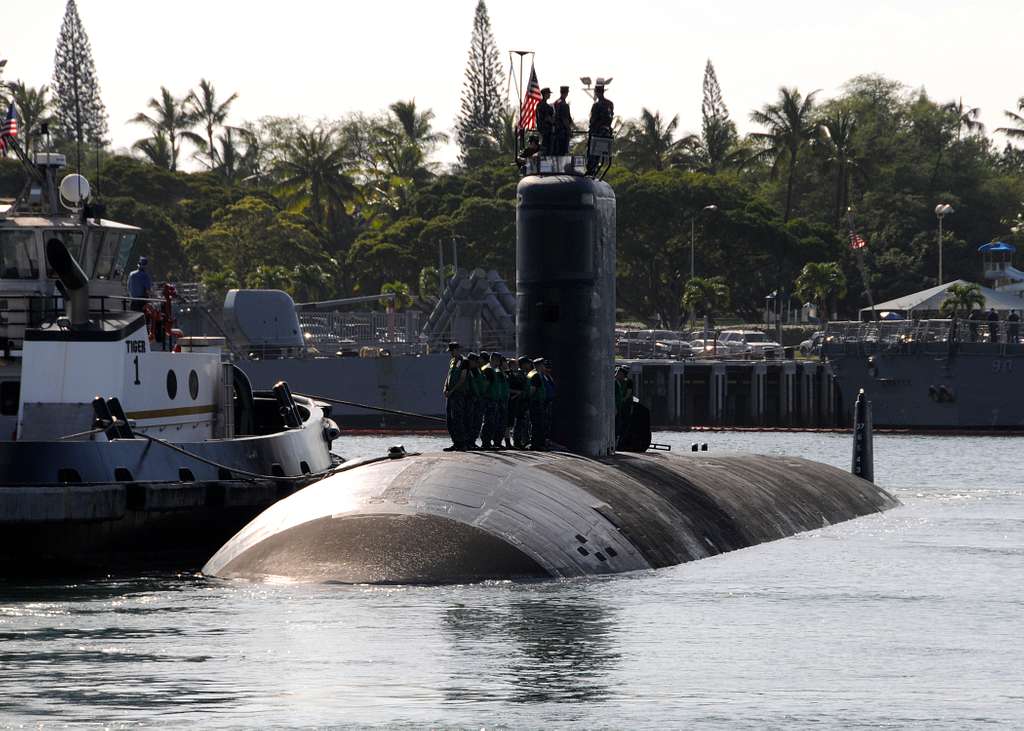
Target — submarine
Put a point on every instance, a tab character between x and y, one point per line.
584	509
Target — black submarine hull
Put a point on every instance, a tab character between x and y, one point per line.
451	518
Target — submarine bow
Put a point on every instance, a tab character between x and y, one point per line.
448	518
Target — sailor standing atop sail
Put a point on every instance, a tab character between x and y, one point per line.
545	121
602	113
563	122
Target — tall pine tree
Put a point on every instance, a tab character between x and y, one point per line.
479	121
78	109
718	132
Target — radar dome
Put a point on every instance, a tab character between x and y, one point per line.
75	189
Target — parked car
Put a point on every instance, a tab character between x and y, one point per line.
812	346
758	342
675	349
643	343
707	348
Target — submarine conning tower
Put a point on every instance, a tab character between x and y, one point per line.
565	300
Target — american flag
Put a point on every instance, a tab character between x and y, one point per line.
10	128
857	241
528	117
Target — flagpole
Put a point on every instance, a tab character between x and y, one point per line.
861	266
519	91
511	80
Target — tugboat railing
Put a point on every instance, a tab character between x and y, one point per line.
21	312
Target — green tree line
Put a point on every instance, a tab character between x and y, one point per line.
342	206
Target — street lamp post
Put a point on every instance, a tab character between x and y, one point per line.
693	237
693	249
941	211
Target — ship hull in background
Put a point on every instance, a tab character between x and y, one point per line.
403	383
978	386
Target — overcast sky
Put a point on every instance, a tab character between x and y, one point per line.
323	59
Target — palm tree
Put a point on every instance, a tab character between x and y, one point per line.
228	158
204	109
402	298
270	276
430	282
33	106
650	142
818	281
835	135
416	125
155	149
173	120
962	298
966	117
310	281
789	126
311	169
1016	132
504	131
704	296
718	147
247	162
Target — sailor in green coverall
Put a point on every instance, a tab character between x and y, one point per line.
503	398
493	399
474	400
519	403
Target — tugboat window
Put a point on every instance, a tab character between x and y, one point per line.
19	257
172	385
91	252
107	255
72	240
10	392
124	251
193	385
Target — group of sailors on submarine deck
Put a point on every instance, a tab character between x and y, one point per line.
504	402
507	403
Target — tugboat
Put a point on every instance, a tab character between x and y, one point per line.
127	442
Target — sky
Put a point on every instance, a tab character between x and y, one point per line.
320	58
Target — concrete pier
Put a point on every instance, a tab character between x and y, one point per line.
724	393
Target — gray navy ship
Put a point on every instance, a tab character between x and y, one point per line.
923	372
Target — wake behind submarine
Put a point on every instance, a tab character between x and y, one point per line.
459	517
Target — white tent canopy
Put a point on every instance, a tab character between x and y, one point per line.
930	300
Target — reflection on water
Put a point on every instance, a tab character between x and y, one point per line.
551	646
113	645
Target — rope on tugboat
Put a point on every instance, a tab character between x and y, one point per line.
381	409
244	474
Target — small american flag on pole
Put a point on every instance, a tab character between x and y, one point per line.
528	116
10	128
857	241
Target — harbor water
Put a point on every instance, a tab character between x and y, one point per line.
911	618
